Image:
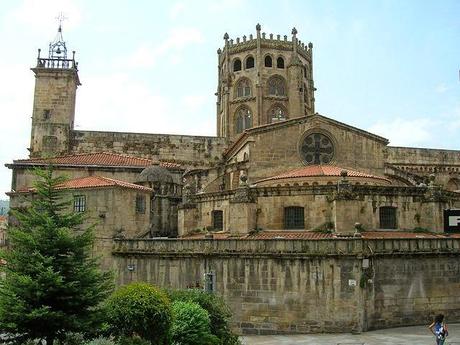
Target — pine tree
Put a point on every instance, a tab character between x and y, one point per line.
52	284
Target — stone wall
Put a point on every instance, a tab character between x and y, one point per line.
192	151
301	286
415	208
416	155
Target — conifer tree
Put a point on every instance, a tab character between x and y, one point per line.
52	282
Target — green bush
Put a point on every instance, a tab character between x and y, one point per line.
101	341
191	325
132	341
219	312
139	309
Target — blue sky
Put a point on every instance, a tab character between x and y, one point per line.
390	67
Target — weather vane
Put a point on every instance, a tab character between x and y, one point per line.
60	18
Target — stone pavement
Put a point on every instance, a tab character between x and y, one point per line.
417	335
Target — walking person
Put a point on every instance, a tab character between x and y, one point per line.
439	329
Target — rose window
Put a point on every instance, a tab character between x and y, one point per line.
317	148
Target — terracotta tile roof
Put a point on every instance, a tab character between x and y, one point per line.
320	170
312	235
100	159
93	182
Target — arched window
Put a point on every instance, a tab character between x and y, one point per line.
277	114
243	119
276	86
268	61
280	62
243	88
237	65
250	62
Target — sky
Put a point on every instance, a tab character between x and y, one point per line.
389	67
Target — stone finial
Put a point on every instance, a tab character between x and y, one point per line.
250	37
278	37
258	27
244	38
344	173
285	37
237	40
271	36
310	45
263	35
219	51
39	50
226	36
294	31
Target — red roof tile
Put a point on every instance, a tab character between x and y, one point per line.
313	235
100	159
94	182
321	170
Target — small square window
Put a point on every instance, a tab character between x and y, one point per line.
79	203
294	217
140	203
387	217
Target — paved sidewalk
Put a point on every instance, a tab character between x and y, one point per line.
418	335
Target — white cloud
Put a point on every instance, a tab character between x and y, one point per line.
106	102
441	88
40	15
402	132
171	47
195	102
177	9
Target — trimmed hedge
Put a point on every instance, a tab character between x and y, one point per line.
139	309
191	325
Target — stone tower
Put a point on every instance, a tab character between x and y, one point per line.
56	82
263	80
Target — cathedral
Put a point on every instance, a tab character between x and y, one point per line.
277	176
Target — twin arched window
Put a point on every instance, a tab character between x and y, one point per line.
276	86
249	63
243	119
277	114
243	88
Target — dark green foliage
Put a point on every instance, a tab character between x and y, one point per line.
219	312
139	309
101	341
136	340
53	286
191	325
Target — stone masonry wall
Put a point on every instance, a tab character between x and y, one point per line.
301	286
193	151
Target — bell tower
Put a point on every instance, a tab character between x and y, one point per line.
56	82
262	80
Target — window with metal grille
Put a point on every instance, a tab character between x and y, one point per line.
294	217
218	220
387	217
79	203
140	203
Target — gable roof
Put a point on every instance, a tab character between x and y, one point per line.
321	170
99	159
295	121
91	182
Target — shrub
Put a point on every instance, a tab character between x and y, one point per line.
141	309
132	341
219	312
101	341
191	325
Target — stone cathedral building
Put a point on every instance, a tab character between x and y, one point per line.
277	170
